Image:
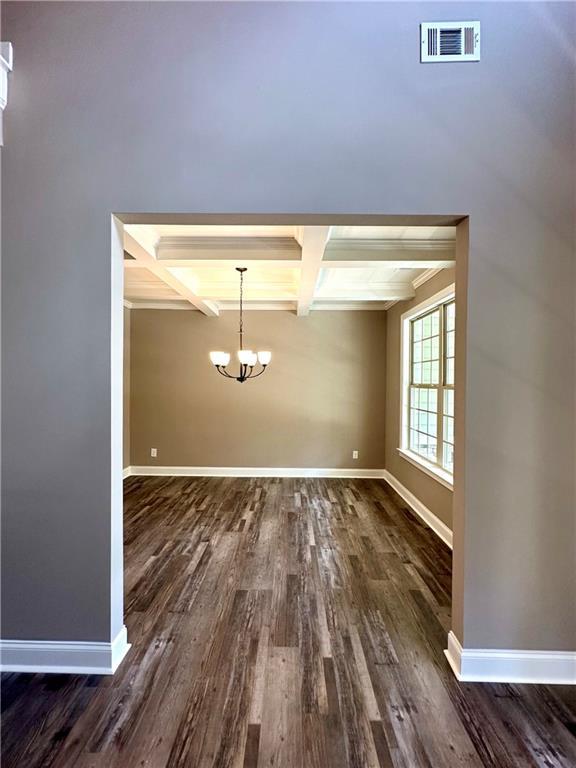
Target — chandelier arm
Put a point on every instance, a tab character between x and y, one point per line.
255	375
222	370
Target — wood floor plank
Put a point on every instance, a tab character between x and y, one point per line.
281	730
285	623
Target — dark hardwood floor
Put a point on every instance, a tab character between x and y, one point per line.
282	623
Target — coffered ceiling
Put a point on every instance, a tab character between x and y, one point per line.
289	267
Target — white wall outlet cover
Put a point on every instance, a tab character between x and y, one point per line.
154	452
354	454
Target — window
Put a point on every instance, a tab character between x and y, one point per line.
428	385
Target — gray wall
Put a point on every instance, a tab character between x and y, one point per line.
292	107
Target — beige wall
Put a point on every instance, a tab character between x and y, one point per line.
321	398
126	391
431	493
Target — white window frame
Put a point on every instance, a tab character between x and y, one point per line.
433	470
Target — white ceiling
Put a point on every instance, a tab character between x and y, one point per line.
289	267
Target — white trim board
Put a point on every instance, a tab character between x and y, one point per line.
510	666
439	528
432	470
253	472
447	293
62	657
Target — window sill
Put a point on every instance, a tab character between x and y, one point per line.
444	478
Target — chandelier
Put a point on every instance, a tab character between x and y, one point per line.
246	358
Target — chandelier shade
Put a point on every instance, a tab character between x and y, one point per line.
220	358
247	359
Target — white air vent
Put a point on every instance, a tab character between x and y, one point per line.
450	41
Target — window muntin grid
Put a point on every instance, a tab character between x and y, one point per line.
431	386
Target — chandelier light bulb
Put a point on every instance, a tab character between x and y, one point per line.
264	357
245	356
220	358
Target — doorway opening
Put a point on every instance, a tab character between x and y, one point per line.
365	318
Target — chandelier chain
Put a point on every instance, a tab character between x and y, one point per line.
241	298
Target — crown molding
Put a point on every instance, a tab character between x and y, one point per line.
348	306
428	274
266	306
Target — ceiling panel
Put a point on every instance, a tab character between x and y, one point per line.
378	283
142	284
267	282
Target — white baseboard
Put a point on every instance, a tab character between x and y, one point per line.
505	666
439	528
254	472
77	658
126	472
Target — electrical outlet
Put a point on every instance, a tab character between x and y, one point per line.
354	454
154	452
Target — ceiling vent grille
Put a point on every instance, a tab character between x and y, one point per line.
450	41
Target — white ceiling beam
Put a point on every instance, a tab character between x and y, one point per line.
217	252
406	254
313	241
147	259
228	249
346	244
185	263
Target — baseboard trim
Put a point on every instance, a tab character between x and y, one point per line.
439	528
126	472
76	658
254	472
475	665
